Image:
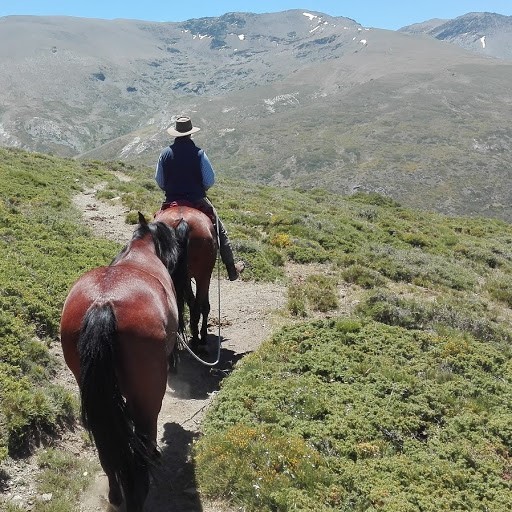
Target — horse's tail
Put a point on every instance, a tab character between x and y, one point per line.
179	273
123	454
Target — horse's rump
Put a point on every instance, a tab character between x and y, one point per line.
201	206
202	239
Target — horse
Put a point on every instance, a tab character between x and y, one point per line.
201	257
119	324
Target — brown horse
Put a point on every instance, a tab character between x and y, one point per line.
201	257
119	324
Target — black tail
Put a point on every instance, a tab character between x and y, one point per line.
179	273
123	454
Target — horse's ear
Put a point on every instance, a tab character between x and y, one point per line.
142	220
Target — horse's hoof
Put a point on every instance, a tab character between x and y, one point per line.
115	497
156	454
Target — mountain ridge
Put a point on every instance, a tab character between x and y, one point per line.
294	99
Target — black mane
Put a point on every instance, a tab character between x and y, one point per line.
166	242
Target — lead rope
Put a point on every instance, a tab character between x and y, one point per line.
189	350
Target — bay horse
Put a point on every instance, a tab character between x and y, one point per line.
201	257
119	324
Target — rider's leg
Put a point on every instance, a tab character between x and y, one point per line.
225	249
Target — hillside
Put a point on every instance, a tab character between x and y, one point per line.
294	99
433	137
432	293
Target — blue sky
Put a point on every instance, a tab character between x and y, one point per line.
391	14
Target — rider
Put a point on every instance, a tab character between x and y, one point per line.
184	173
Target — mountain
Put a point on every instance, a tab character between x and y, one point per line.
484	33
295	99
76	83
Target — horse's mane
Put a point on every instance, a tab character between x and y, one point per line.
167	243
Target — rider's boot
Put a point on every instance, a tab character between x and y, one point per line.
226	254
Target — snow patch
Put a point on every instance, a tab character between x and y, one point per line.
309	15
482	40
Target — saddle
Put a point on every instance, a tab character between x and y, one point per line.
207	210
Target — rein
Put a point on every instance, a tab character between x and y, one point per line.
189	350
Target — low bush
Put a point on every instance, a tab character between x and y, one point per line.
469	315
356	415
362	276
44	249
316	292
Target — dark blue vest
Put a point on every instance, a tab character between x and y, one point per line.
182	171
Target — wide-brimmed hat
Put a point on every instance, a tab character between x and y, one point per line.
182	127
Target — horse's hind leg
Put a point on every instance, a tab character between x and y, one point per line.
115	495
134	502
195	313
143	380
205	311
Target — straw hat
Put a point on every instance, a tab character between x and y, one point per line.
183	126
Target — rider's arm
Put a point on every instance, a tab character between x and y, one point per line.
159	174
207	171
165	155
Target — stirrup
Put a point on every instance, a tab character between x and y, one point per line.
235	270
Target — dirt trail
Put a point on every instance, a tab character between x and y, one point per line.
246	318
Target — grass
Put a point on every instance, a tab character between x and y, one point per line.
404	403
316	293
63	478
44	249
351	414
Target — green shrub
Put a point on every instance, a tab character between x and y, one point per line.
389	418
302	251
44	249
316	293
420	268
322	292
296	301
462	314
106	194
499	288
362	276
280	464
